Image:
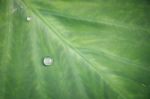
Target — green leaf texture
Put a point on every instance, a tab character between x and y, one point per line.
100	49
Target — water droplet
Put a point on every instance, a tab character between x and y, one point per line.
29	18
48	61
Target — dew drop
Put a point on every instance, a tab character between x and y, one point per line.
47	61
29	18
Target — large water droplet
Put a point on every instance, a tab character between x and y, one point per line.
29	18
47	61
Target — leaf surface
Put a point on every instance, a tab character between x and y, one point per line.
100	49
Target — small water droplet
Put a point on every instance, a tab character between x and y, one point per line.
29	18
47	61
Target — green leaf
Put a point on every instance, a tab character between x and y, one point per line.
100	49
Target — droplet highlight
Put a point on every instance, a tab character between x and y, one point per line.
29	18
47	61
